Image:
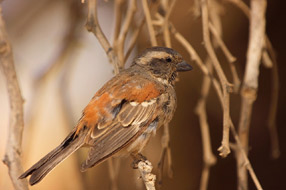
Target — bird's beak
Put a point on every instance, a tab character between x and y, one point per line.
184	66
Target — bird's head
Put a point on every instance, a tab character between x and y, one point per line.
163	63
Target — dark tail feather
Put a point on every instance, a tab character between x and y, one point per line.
39	170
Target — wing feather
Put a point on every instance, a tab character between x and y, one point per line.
128	124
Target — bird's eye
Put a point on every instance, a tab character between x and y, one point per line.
168	59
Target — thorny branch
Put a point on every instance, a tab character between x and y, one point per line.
12	156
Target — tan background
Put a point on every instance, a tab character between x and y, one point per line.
35	30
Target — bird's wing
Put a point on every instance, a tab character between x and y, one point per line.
119	115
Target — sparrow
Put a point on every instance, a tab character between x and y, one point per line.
123	114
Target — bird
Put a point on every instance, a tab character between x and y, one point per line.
122	115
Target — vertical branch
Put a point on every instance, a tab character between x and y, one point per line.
275	149
149	23
12	156
166	154
230	58
92	25
208	156
250	83
118	18
268	62
133	39
166	31
224	148
123	32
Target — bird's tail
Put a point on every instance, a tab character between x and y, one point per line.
71	143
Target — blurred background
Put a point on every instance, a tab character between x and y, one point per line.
41	33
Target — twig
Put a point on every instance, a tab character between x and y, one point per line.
119	45
12	157
149	23
118	19
246	162
166	32
250	83
268	62
193	54
208	156
226	86
275	149
166	154
133	39
92	25
145	169
231	59
265	56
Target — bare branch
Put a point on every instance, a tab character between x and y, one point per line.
12	157
208	156
118	18
119	45
226	86
231	59
145	169
250	83
149	23
265	56
92	25
166	154
133	39
275	149
166	32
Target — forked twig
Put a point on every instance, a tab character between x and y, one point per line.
226	86
92	25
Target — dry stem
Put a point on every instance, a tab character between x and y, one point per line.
12	157
224	148
268	62
166	32
230	58
250	83
166	154
92	25
149	23
119	45
208	156
145	169
118	18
